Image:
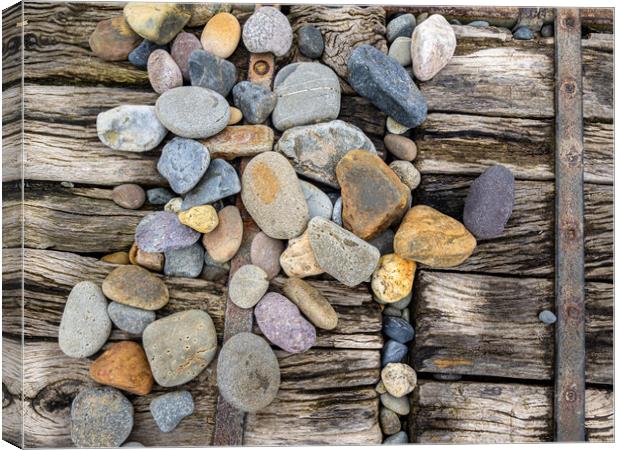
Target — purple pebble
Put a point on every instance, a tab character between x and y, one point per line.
161	231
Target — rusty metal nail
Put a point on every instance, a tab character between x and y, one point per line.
572	311
570	395
569	87
261	67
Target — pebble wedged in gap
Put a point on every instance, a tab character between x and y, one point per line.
247	286
401	147
315	150
151	261
174	205
184	262
387	85
400	405
432	45
130	319
116	258
407	173
272	195
402	25
161	231
203	219
523	34
310	41
397	439
173	364
214	271
123	366
393	278
298	259
265	253
182	47
221	35
393	352
398	329
137	287
139	56
399	379
202	12
113	39
130	128
307	93
224	241
489	202
389	420
100	417
340	253
157	22
212	72
169	409
192	111
268	30
283	325
85	325
547	317
384	242
311	302
395	127
164	73
220	181
235	116
400	50
429	237
337	212
318	202
547	30
182	163
240	141
129	196
248	375
256	102
403	302
159	196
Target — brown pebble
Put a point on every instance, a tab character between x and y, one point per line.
401	147
235	116
298	259
116	258
150	261
164	73
265	253
224	241
183	46
311	302
135	286
129	196
113	39
124	366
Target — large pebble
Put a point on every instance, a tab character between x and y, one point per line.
387	85
139	56
310	41
203	218
247	286
212	72
248	375
202	12
401	147
489	202
402	25
265	253
113	39
161	231
129	196
399	438
400	50
311	302
318	202
282	323
182	47
393	279
123	366
399	379
85	325
393	352
130	128
427	236
193	111
224	241
400	405
169	409
398	329
273	196
407	173
159	196
315	150
240	141
157	22
432	45
307	93
340	253
268	31
298	259
183	162
184	262
130	319
100	417
220	181
180	346
389	420
164	73
221	35
256	102
137	287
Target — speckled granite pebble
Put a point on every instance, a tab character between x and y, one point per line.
268	30
161	231
169	409
184	262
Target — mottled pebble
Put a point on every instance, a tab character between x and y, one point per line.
135	286
268	31
256	102
220	181
161	231
547	317
400	50
432	46
311	303
130	319
124	366
247	286
221	35
169	409
224	241
164	73
310	41
182	47
393	352
399	379
159	196
265	253
157	22
393	278
407	173
130	128
298	259
212	72
400	405
395	127
129	196
240	141
139	56
113	39
174	205
401	147
203	219
202	12
398	329
389	420
401	26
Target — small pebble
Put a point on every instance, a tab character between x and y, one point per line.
399	379
523	34
124	366
547	30
164	73
310	41
256	102
129	196
268	31
395	127
220	181
182	47
116	258
139	56
265	253
247	286
407	173
159	196
224	241
454	22
169	409
380	388
403	302
389	420
421	17
319	204
384	242
405	315
298	259
393	278
397	439
547	317
221	35
113	39
337	212
236	116
183	162
400	405
393	352
203	219
212	72
398	329
401	147
67	184
240	141
130	128
479	23
130	319
184	262
161	231
391	311
214	271
151	261
311	302
402	25
174	205
400	50
137	287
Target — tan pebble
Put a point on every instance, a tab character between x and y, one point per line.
407	173
128	196
393	279
399	379
200	218
135	286
133	252
240	141
298	259
235	116
401	147
380	388
124	366
174	205
221	35
116	258
224	241
311	303
151	261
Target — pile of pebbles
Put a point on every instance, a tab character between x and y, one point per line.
327	203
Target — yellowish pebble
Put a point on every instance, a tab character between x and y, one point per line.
116	258
221	35
235	116
393	278
395	127
201	218
174	205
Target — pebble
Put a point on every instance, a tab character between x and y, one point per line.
174	364
373	197
174	205
265	253
236	116
432	47
137	287
203	218
212	72
384	242
298	259
393	312
340	253
202	12
380	388
547	317
310	41
123	366
454	22
272	195
401	26
400	50
398	329
523	34
130	128
315	150
159	196
256	102
164	73
395	127
113	39
547	30
407	173
311	303
248	375
403	302
85	325
318	202
192	111
283	325
129	196
401	147
150	261
116	258
224	241
169	409
400	405
247	286
157	22
162	231
132	444
387	85
421	17
399	379
397	439
393	352
220	181
337	212
489	202
183	162
221	35
393	278
479	23
182	47
184	262
447	376
240	141
100	417
130	319
213	271
389	420
268	31
405	315
139	56
429	237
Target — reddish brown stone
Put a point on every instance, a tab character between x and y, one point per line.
113	39
124	366
240	141
183	46
224	241
128	196
164	73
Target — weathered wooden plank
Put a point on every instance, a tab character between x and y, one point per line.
12	133
12	45
483	325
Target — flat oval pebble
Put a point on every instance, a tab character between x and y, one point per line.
130	319
182	47
224	241
247	286
298	259
212	72
393	352
398	329
85	325
161	231
184	262
310	41
220	181
129	196
139	56
240	141
399	379
272	195
192	111
402	25
268	31
135	286
256	102
400	405
265	253
183	162
393	278
401	147
221	35
389	420
318	202
283	325
130	128
157	22
432	45
547	317
173	364
203	218
311	302
100	417
113	39
123	366
164	73
248	375
400	50
169	409
159	196
399	438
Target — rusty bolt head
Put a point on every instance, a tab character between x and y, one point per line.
261	67
570	395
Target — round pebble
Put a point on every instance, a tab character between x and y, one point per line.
268	31
164	73
130	319
396	439
161	231
203	219
319	204
547	30
389	420
310	41
265	253
247	286
393	352
547	317
399	379
183	162
403	302
212	72
221	35
169	409
184	262
311	302
256	102
401	147
398	329
224	241
478	23
130	128
139	56
400	50
400	405
407	173
159	196
393	278
129	196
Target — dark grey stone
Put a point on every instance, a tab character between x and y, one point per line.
384	242
220	181
479	23
391	311
184	262
455	22
396	439
547	317
403	302
212	72
523	34
398	329
310	41
169	409
161	231
214	271
183	162
139	56
393	352
130	319
255	102
159	196
402	25
547	30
